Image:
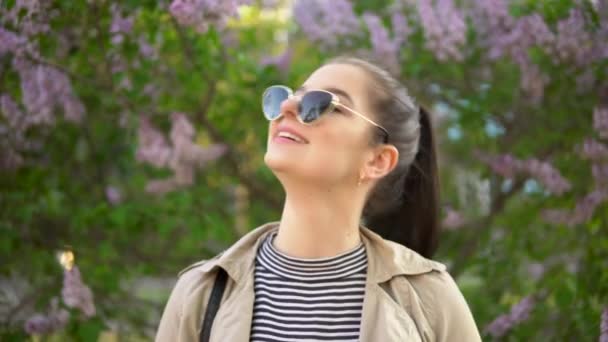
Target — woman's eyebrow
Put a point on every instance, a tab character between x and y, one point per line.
340	92
333	90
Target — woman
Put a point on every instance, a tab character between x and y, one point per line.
357	161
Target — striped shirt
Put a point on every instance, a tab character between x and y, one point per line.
308	299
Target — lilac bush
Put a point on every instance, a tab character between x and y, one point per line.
103	103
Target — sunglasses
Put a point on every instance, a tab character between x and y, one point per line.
311	106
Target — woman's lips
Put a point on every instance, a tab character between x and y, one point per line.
284	140
292	134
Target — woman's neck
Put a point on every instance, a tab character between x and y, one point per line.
319	223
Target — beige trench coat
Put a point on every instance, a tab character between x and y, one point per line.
407	297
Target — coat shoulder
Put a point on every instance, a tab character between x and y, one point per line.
199	265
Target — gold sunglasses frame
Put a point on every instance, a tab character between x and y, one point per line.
335	102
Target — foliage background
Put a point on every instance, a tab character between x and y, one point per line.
131	137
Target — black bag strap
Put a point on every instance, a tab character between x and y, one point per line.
214	304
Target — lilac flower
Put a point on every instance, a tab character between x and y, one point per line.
401	28
505	165
384	47
146	50
536	270
533	81
600	121
15	119
444	29
29	17
505	36
44	89
10	41
582	212
593	150
201	14
42	324
600	174
183	157
76	294
185	150
282	61
572	42
120	25
453	220
113	195
270	3
604	325
152	147
546	174
327	22
508	166
506	322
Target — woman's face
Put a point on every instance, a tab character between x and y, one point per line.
334	147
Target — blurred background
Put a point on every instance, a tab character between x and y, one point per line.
132	143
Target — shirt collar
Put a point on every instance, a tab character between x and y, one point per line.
386	259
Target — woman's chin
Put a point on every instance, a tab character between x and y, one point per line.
280	162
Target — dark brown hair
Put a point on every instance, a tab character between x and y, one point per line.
404	205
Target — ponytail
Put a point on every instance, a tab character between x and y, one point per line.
414	223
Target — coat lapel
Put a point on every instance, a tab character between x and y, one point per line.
384	320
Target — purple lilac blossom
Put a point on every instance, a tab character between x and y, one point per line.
120	25
29	17
508	166
183	157
282	61
147	50
153	147
384	47
186	151
604	325
15	119
444	29
76	294
44	89
600	174
593	150
600	121
573	44
42	324
113	195
401	28
327	22
505	36
201	14
582	212
452	220
506	322
10	42
546	174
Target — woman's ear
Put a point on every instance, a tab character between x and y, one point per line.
381	161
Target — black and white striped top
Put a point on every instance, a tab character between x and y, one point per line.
308	299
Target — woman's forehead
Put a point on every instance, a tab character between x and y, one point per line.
350	79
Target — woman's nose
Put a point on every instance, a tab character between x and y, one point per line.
289	107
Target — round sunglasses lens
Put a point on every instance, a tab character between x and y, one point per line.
313	105
271	101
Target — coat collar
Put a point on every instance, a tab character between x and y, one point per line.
386	259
